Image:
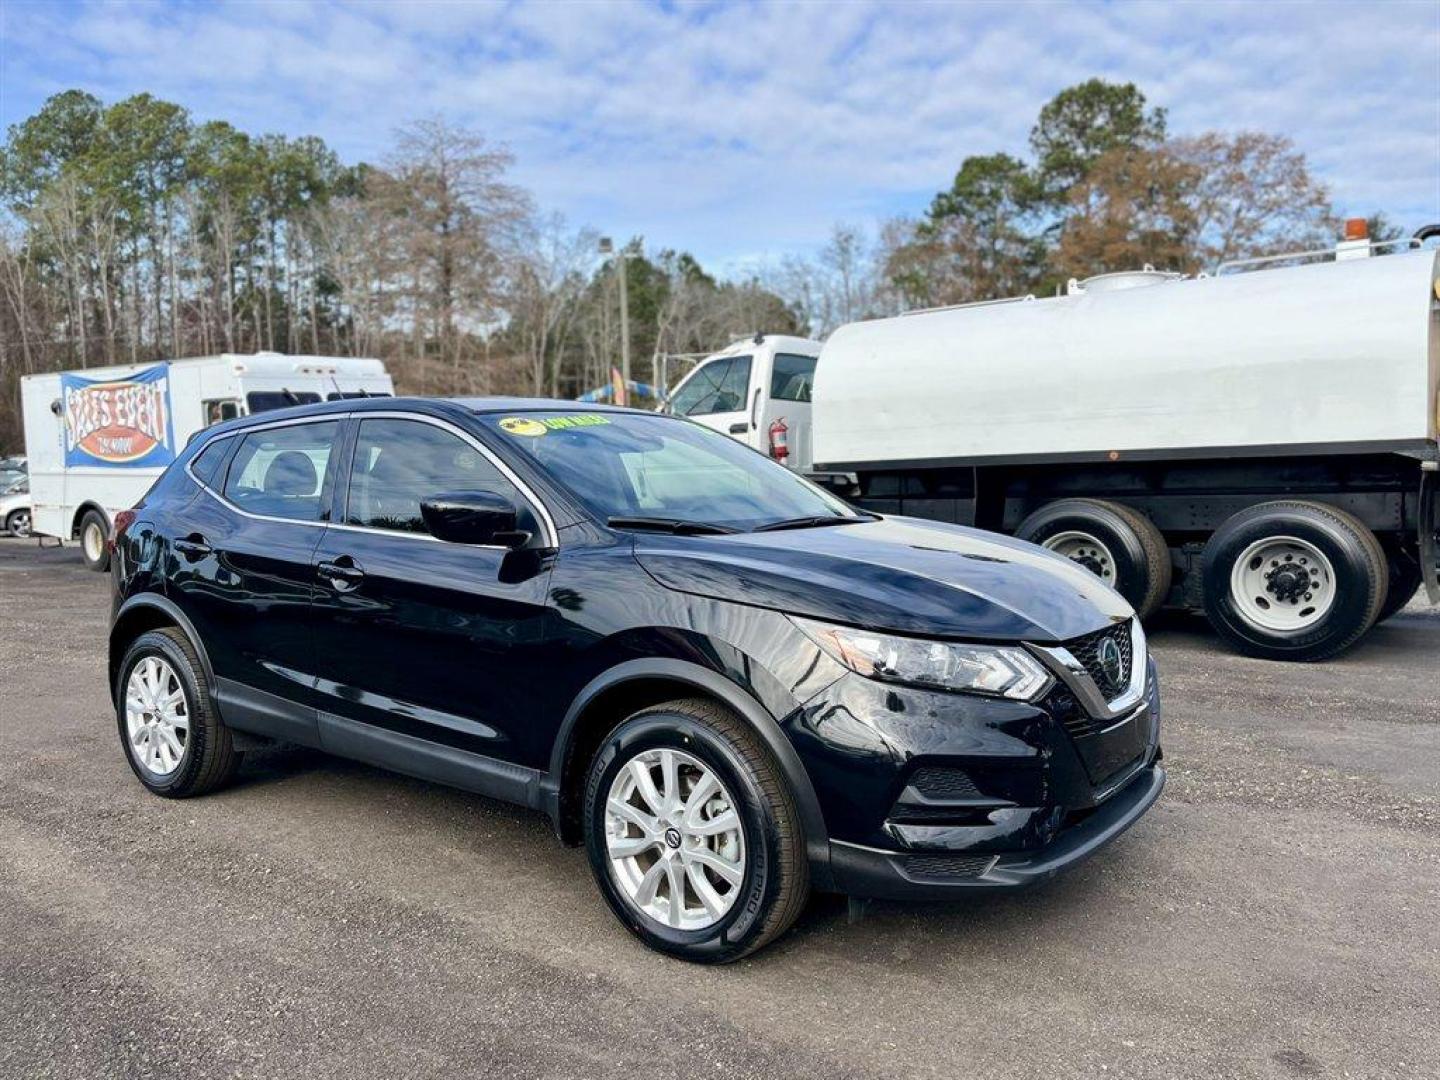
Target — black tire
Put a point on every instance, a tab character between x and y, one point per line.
1361	579
18	523
776	881
1405	581
1138	562
91	523
210	758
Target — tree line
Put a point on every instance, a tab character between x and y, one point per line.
131	233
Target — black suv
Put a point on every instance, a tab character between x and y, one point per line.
728	684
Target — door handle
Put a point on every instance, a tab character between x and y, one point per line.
739	428
343	573
193	546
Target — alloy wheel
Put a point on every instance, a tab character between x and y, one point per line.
157	717
674	839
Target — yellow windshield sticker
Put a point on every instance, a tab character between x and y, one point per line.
520	425
525	425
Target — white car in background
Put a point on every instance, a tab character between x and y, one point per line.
15	507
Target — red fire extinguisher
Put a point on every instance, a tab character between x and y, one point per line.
779	440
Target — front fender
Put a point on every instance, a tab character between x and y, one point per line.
711	684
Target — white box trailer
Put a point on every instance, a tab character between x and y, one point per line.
1196	441
98	437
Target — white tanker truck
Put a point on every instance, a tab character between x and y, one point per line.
1259	444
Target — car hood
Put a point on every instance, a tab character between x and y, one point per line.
904	574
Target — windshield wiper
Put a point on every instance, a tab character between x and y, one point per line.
814	521
678	526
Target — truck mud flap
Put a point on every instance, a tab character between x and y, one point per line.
1430	533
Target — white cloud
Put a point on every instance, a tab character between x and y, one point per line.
734	129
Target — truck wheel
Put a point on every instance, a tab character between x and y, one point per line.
94	531
1405	580
1293	580
1119	545
693	834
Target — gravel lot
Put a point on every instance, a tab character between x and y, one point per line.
1276	915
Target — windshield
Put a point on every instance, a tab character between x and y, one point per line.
629	465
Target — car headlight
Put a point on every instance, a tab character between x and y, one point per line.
1004	671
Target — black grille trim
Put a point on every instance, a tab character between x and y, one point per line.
938	783
1087	650
945	866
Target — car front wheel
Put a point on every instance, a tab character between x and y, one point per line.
693	834
18	523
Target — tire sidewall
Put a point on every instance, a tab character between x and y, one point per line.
1131	579
746	918
94	517
161	645
1349	612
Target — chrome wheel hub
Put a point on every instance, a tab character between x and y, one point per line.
674	839
157	719
1087	550
1282	583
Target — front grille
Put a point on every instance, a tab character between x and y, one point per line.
1088	650
945	866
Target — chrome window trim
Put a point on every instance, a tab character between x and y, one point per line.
1072	673
542	513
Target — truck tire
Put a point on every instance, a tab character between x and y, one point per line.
94	532
1120	545
1405	581
1293	580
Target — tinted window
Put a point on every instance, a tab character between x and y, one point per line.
400	462
265	400
719	386
280	472
206	465
634	465
792	377
220	409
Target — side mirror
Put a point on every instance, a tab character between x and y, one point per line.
473	517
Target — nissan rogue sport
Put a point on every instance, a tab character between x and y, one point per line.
729	685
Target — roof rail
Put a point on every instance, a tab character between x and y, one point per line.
1314	255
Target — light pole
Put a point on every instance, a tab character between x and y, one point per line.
607	248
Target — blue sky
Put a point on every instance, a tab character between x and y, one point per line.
742	131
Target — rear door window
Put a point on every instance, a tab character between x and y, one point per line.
280	472
792	377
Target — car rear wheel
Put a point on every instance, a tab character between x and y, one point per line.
172	738
1293	580
1119	545
693	834
18	523
94	530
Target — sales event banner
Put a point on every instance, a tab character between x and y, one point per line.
121	423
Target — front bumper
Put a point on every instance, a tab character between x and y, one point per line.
880	874
925	793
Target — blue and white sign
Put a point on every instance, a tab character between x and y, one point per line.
119	423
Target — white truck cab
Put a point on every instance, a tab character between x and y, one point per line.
758	391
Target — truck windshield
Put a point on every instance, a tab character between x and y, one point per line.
670	471
266	400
